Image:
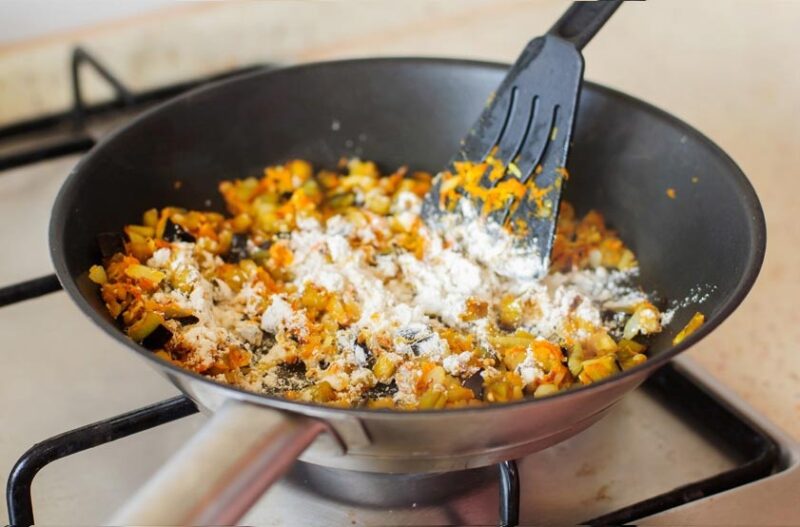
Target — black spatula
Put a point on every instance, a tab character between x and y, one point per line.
526	126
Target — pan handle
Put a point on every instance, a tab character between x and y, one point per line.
221	472
582	20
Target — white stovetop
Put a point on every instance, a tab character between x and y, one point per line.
730	72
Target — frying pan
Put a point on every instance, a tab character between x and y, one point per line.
707	241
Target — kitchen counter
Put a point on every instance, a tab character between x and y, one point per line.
729	72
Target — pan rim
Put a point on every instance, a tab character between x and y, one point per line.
749	275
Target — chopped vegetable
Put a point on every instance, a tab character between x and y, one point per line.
323	392
150	218
140	330
329	287
645	320
158	338
432	399
97	274
176	233
695	322
384	368
598	369
143	272
543	390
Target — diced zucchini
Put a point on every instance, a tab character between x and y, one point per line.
300	168
382	402
141	230
323	392
150	218
630	354
384	368
260	257
432	399
142	272
436	375
627	260
498	392
645	320
314	297
311	189
575	361
459	393
513	357
633	360
97	274
341	201
245	189
378	203
475	309
543	390
631	347
601	343
519	339
143	327
510	312
141	250
242	222
597	369
176	311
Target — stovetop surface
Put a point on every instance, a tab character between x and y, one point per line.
61	373
641	449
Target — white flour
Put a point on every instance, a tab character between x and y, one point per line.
398	292
404	300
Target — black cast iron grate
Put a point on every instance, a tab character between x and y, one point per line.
759	453
757	450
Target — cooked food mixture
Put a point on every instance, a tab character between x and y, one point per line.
328	287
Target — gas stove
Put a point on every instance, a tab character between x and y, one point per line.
680	450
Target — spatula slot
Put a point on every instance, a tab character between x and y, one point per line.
518	128
537	149
511	108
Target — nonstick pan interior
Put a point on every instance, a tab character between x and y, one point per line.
707	242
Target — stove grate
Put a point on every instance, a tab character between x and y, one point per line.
18	490
29	289
758	451
74	120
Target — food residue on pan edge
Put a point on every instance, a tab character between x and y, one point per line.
328	287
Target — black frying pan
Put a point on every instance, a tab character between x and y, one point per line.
626	154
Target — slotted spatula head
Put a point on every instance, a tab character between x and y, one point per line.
526	126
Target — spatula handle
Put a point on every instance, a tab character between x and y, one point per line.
582	20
